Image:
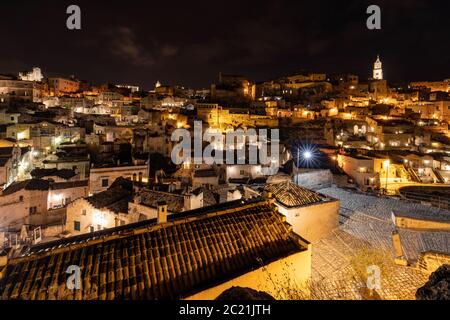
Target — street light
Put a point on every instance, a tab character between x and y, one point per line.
307	155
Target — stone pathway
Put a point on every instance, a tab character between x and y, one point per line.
366	225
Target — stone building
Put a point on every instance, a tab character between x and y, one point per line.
366	171
21	90
311	214
101	179
20	200
205	177
145	202
65	186
10	158
103	210
61	86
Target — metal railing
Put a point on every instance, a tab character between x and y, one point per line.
434	200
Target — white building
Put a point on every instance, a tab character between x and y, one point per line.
33	75
378	69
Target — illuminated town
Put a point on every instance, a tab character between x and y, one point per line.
95	206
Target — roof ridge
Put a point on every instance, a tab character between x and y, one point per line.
152	226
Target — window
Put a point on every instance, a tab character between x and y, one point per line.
242	172
77	225
12	118
33	210
21	198
68	200
83	212
105	182
91	229
99	227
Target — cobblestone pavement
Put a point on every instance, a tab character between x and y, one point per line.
333	274
365	223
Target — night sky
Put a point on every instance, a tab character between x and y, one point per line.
189	42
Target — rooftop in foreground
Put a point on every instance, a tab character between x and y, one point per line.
146	260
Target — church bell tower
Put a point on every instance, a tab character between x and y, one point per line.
377	69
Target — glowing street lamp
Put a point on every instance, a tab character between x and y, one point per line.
307	154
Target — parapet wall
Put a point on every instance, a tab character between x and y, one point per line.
314	179
430	261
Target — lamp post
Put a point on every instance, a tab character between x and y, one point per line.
334	158
307	156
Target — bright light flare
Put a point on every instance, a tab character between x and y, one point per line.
306	154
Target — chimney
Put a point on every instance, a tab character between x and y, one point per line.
187	201
162	212
397	245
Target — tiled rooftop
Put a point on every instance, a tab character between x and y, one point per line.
66	174
290	194
157	261
150	198
115	198
31	184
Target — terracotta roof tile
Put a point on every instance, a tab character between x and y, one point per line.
151	198
61	173
157	261
31	184
290	194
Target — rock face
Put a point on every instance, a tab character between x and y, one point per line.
239	293
437	287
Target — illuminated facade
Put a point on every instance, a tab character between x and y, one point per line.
377	69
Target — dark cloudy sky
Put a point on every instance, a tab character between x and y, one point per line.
189	42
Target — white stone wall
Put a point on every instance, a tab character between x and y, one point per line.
57	198
297	267
313	222
88	216
15	208
314	180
